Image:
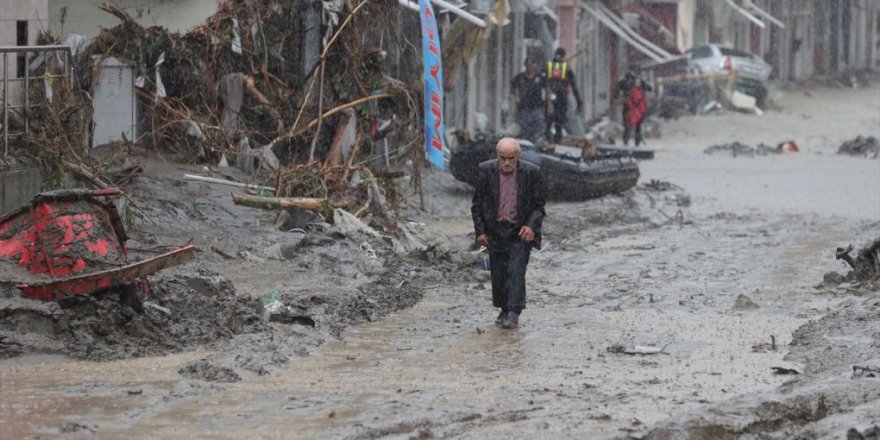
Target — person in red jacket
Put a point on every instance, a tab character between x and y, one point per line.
636	106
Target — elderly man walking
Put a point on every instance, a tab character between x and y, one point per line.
508	210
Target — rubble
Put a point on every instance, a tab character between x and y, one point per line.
185	311
861	146
244	89
735	149
865	267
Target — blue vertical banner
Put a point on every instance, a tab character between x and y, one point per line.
434	126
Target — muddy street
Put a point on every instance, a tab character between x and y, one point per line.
665	312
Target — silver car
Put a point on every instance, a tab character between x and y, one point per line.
751	71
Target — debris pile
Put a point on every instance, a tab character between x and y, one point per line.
736	148
57	122
182	313
861	146
865	266
292	95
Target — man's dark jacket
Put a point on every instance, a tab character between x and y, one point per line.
529	198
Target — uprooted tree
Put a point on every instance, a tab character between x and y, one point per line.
292	91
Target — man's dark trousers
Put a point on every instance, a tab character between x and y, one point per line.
558	118
508	258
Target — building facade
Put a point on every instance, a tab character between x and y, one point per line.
21	22
84	18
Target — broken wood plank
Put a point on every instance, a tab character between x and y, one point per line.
229	183
319	205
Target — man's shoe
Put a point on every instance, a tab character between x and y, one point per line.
501	316
511	321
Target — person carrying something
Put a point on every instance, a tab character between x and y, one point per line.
560	81
636	106
528	96
508	211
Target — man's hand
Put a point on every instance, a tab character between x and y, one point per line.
483	240
526	234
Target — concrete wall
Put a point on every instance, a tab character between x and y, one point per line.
17	186
83	16
35	12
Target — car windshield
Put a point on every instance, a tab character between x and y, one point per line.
735	52
701	52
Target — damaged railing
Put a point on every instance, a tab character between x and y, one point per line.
12	104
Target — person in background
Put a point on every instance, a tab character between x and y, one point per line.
560	82
529	98
508	212
636	107
621	93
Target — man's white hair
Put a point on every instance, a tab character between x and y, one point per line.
508	140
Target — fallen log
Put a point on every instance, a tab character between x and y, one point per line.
319	205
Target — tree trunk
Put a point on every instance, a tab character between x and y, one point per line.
319	205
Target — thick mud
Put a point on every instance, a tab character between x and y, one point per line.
181	313
697	305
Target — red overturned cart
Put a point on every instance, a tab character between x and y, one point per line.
72	242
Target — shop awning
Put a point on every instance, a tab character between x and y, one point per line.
751	5
622	30
746	14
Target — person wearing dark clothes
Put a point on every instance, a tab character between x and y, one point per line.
528	96
560	82
508	211
636	106
621	94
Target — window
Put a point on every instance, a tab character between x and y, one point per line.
735	52
21	39
701	52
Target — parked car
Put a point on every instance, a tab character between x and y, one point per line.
752	72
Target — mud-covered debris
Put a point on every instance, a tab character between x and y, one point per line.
861	146
832	279
202	369
288	316
735	149
660	185
865	266
297	219
71	427
860	372
284	251
636	349
784	370
743	302
872	433
183	312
